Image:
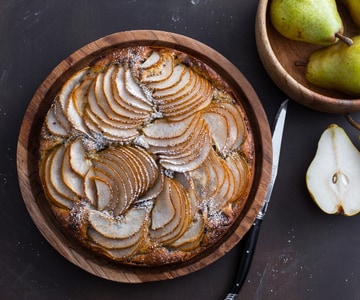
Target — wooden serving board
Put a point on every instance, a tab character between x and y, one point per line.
28	148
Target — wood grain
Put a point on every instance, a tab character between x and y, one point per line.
28	147
279	54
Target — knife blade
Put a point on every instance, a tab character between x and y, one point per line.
250	238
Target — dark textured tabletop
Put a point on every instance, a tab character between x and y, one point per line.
302	253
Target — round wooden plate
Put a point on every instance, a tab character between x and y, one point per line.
28	146
279	54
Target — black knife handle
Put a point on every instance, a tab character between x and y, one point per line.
246	256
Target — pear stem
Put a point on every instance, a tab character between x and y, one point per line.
298	63
352	122
348	41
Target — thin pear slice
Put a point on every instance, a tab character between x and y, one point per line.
240	169
192	236
56	177
53	125
134	88
173	80
107	171
71	179
76	106
176	227
198	103
122	228
151	61
121	100
233	130
110	132
64	96
333	176
90	187
52	194
180	78
168	136
124	95
105	192
110	243
161	72
162	129
163	210
167	102
155	190
78	161
102	111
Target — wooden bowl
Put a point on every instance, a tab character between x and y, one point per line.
278	55
28	146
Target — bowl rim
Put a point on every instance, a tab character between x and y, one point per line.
27	160
288	83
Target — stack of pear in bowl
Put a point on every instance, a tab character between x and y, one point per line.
311	50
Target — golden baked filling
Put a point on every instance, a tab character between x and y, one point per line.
147	156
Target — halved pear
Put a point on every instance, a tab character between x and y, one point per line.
334	174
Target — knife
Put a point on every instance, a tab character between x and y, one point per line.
250	239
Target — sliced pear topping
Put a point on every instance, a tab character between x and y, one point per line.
172	81
71	179
78	161
105	193
233	129
333	176
76	106
53	125
152	60
124	227
137	104
192	236
159	73
56	176
135	89
163	211
153	150
163	130
53	195
179	222
110	243
64	96
119	100
179	79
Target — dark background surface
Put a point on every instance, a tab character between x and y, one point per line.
301	254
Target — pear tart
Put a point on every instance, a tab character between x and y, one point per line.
147	158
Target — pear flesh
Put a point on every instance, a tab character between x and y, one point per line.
336	67
333	177
311	21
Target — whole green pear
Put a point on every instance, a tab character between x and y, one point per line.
312	21
353	6
336	67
